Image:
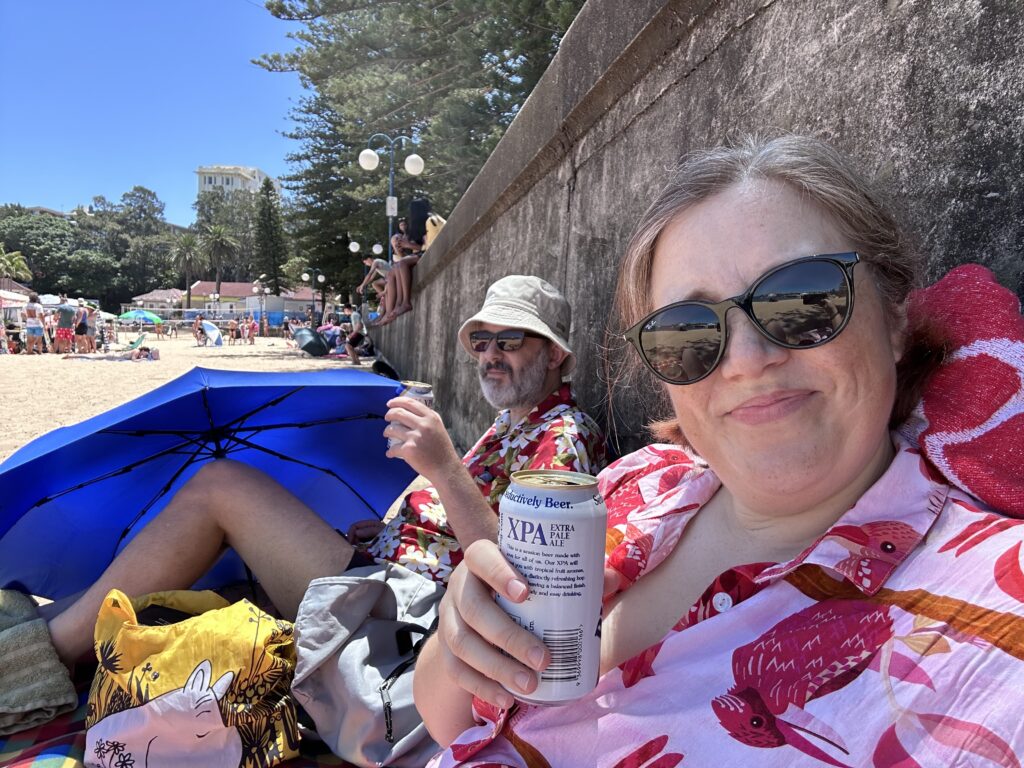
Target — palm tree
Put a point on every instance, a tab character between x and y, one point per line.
218	246
188	258
13	265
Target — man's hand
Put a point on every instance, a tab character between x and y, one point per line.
363	531
425	445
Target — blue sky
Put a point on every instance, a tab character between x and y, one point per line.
98	97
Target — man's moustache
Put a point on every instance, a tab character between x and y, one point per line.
496	367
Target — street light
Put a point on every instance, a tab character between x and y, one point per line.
354	247
262	291
377	249
369	160
314	276
216	304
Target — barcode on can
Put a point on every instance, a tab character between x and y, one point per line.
566	648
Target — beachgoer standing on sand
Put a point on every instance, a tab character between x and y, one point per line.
33	314
65	326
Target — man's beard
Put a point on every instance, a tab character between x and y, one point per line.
521	390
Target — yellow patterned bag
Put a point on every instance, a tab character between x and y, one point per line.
207	684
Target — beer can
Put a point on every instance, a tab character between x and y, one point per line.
552	530
417	390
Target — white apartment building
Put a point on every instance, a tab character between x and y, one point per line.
232	177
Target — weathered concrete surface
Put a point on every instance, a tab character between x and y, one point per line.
929	96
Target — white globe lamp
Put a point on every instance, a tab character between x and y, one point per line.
368	159
413	165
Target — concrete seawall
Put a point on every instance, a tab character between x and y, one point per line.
928	96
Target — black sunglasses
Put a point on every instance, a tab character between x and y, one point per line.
508	341
797	305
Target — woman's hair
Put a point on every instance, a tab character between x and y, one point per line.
821	174
34	298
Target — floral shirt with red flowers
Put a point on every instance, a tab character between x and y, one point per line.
556	434
896	640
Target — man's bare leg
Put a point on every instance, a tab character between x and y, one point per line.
226	504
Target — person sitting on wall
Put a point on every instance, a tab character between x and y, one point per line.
400	277
401	244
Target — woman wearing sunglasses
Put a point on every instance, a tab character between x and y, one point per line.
788	582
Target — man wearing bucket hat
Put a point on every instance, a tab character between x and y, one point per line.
518	340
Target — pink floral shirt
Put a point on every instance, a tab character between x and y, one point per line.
894	641
556	434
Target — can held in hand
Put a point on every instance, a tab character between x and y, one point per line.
417	390
552	529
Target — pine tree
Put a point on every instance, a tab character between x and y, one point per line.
271	245
451	74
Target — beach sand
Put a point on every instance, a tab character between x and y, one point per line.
39	393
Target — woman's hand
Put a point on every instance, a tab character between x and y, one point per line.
423	440
482	650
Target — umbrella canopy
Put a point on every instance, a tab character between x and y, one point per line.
140	314
73	498
12	299
311	342
212	334
107	315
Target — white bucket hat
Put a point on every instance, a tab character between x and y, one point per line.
527	302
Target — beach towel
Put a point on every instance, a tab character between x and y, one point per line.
187	675
61	743
35	686
970	421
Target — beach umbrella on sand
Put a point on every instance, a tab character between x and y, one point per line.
212	332
141	315
73	498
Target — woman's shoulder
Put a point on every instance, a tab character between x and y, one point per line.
654	468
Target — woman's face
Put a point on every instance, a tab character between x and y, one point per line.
777	424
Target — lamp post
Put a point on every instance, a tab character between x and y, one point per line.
314	276
262	290
369	160
215	306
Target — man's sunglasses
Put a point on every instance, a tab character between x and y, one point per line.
508	341
798	305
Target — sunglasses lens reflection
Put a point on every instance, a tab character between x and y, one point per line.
682	342
507	341
802	305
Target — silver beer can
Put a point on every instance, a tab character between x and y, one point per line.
417	390
552	530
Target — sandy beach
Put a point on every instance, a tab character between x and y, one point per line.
42	392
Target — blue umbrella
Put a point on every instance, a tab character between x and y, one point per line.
212	332
73	498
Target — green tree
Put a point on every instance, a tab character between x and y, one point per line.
218	247
13	265
450	73
45	242
236	212
95	274
271	246
188	258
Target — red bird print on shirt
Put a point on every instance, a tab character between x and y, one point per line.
806	656
875	550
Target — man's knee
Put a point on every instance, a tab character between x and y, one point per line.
221	480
